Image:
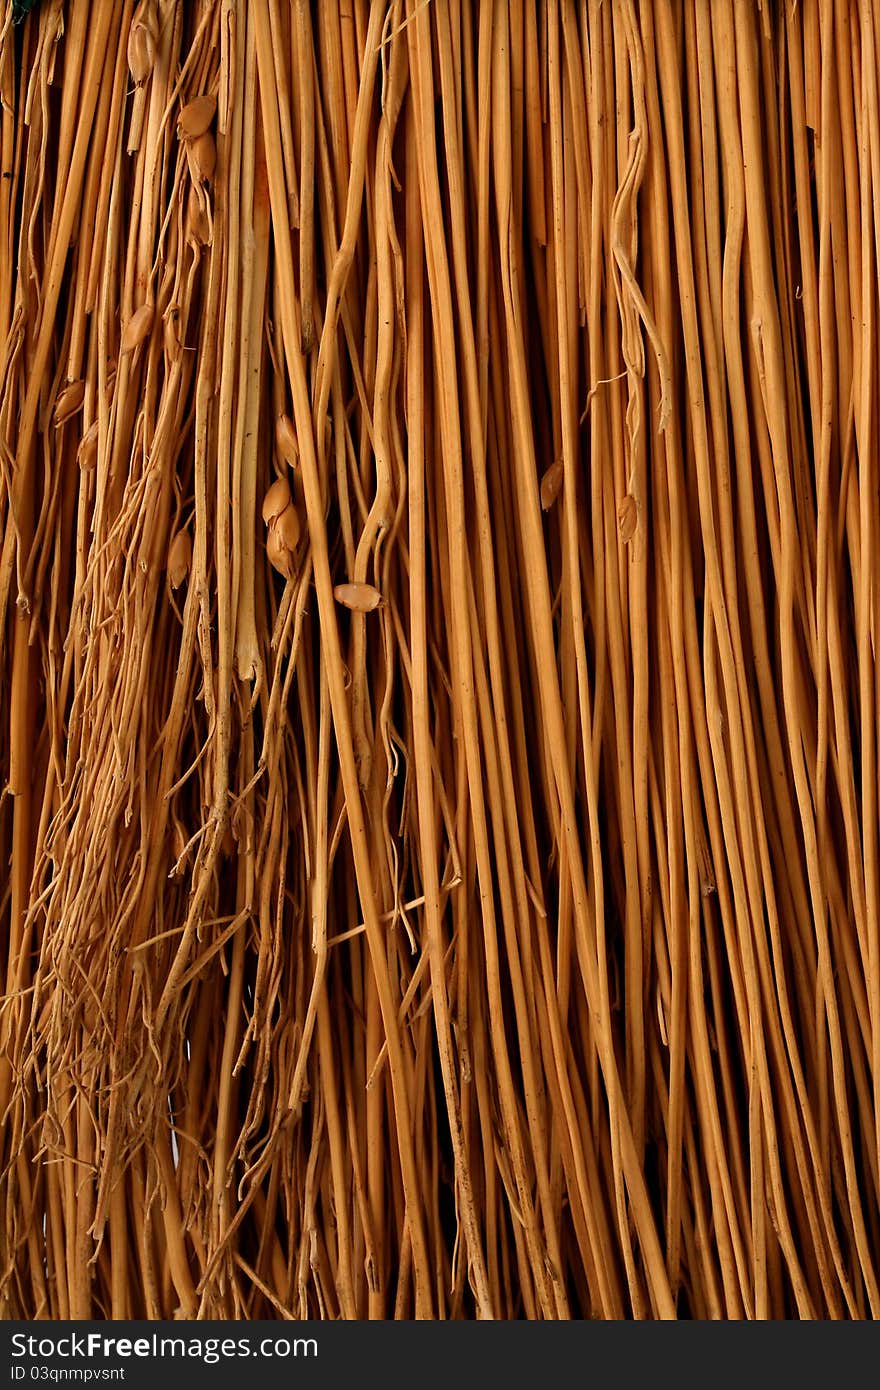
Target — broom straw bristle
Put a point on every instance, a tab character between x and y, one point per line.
440	536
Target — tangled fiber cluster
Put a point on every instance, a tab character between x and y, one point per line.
439	588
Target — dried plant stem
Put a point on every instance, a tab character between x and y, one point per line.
438	594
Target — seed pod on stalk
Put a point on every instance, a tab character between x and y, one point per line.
196	117
179	559
142	39
275	501
137	328
360	598
69	401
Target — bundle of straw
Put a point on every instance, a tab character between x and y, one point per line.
439	852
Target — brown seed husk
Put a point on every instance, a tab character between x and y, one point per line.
69	401
179	559
87	454
288	526
280	556
137	329
360	598
277	499
285	438
202	156
142	38
551	484
196	117
198	226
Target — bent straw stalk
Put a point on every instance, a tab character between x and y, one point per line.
438	585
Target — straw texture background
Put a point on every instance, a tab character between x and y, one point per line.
439	587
